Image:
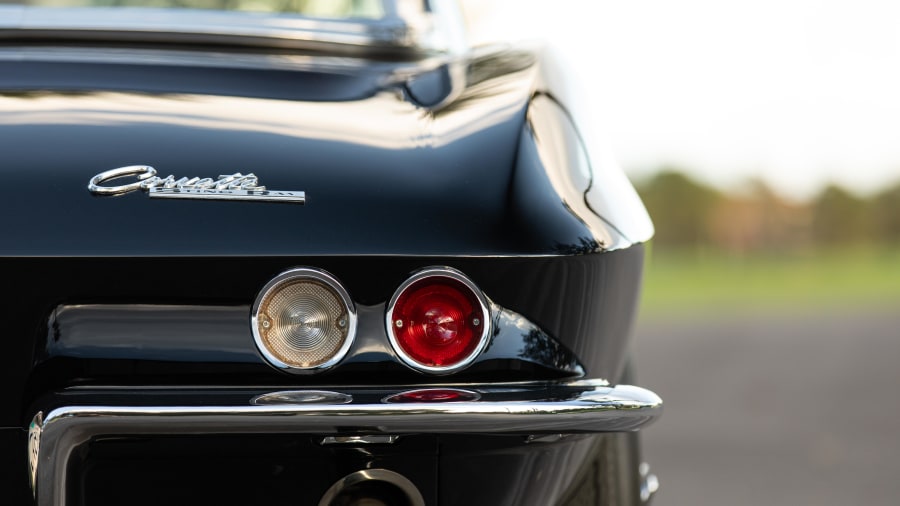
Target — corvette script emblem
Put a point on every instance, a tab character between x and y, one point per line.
236	186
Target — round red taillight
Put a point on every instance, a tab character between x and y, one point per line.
438	320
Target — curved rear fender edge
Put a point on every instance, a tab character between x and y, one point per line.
550	182
611	193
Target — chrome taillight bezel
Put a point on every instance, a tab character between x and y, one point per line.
483	303
289	276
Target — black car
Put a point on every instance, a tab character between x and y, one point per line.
307	253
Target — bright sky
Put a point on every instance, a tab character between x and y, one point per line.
798	92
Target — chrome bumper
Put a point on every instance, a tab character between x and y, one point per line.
563	408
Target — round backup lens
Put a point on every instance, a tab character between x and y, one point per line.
433	395
303	321
438	323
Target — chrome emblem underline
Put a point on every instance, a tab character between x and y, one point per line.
235	186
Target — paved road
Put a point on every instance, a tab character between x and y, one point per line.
783	410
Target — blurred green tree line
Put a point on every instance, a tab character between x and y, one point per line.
689	214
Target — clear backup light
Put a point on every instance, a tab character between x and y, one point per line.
303	321
438	321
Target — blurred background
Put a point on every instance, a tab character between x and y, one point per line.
764	138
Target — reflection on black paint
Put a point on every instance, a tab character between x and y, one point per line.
586	245
539	347
516	336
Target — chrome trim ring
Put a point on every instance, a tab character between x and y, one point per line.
439	272
412	493
300	273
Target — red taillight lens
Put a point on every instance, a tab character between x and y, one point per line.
438	321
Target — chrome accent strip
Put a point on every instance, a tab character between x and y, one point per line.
210	27
359	440
291	275
206	59
547	438
581	409
441	272
398	480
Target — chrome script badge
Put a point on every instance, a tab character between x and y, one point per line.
236	186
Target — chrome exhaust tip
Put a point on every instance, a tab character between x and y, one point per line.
373	487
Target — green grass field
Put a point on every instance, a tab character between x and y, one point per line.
693	284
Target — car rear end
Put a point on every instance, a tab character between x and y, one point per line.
381	272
